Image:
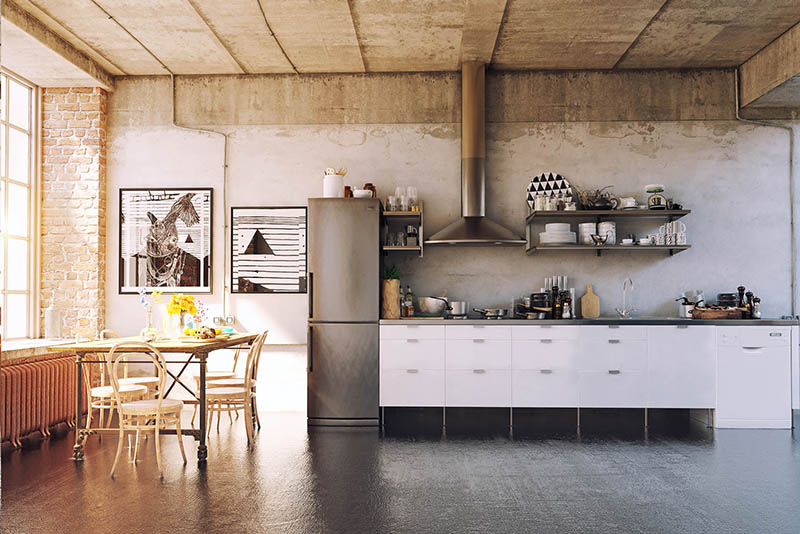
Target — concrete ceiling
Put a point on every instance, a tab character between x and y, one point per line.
280	36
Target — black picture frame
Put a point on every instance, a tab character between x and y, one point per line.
206	263
302	283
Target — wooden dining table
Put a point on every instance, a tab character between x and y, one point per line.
197	351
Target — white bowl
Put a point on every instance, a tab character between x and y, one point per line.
362	193
627	241
556	227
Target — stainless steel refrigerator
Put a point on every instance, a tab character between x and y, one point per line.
343	311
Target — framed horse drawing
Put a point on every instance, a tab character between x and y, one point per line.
165	239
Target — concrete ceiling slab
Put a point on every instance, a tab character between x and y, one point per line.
786	95
241	27
710	33
482	21
409	35
318	35
771	78
569	34
39	10
30	58
175	33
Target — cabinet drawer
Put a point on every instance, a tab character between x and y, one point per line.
478	354
412	331
478	388
424	387
613	332
478	331
544	353
681	367
753	336
544	332
613	354
412	353
544	388
625	389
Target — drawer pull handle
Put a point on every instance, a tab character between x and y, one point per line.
775	334
613	371
613	341
412	326
683	326
478	340
479	371
546	371
477	326
753	349
412	340
545	341
412	371
546	326
613	326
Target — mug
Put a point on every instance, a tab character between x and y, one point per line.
661	239
680	238
678	227
664	228
670	239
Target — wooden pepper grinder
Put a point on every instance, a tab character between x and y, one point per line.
749	296
741	296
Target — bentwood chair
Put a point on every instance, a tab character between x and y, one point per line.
213	376
146	415
221	399
149	381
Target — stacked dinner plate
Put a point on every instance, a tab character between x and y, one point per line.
557	234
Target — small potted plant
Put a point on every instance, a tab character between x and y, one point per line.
390	304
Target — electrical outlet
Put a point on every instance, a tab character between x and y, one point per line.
229	320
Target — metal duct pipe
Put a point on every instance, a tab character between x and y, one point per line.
473	139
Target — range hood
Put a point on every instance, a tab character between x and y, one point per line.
473	228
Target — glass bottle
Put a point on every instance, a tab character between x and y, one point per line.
409	302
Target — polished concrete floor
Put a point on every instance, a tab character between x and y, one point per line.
355	481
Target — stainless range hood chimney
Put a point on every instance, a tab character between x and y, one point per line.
473	228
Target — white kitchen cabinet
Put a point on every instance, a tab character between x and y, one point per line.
612	354
479	388
477	331
753	378
544	353
478	354
412	387
616	388
681	367
544	388
412	331
412	353
604	333
522	332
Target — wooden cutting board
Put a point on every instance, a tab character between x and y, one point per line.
590	304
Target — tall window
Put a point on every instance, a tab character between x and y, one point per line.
17	202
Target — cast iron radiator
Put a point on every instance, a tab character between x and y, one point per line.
37	395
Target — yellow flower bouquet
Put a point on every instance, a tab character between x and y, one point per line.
179	304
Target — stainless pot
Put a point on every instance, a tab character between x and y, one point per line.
492	313
459	307
432	305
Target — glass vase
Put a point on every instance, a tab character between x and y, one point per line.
148	332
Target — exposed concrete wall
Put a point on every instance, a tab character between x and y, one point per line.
734	176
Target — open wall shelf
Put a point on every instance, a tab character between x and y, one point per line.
394	221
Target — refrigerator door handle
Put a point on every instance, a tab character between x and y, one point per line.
310	295
310	349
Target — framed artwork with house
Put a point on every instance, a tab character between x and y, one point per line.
165	238
268	250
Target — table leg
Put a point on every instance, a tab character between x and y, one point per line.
80	437
202	449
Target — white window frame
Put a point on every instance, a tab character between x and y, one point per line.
33	185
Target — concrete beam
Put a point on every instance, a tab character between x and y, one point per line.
24	21
772	66
580	96
482	21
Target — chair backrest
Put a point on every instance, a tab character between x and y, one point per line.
117	356
253	356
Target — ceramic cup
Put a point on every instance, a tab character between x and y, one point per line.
680	238
670	239
661	239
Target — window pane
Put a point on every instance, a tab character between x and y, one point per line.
18	105
17	210
17	315
3	149
19	152
2	266
4	82
17	264
2	207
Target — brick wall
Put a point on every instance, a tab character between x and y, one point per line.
73	203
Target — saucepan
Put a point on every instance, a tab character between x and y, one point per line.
492	313
459	308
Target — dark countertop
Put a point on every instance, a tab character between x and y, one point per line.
603	321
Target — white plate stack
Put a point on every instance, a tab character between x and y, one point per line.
557	234
585	231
